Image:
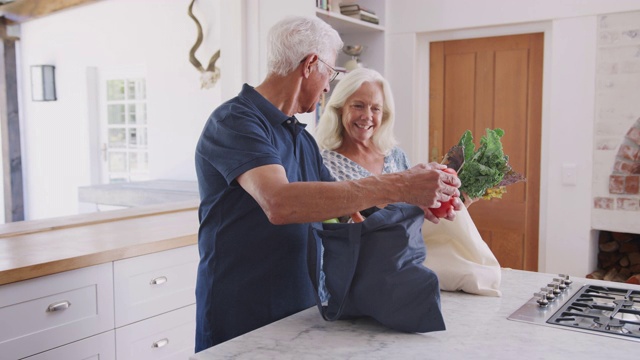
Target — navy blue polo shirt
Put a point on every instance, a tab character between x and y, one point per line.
251	272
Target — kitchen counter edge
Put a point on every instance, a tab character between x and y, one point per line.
33	249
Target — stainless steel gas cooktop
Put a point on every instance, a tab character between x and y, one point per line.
592	308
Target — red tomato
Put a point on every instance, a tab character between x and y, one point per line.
444	207
450	171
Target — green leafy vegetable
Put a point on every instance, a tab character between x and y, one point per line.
487	167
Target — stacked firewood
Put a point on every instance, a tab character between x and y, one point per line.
618	258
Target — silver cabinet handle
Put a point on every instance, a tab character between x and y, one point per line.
159	280
160	343
59	306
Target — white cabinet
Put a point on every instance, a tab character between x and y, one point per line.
50	311
98	347
73	314
153	284
154	305
168	336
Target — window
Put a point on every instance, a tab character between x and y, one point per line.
125	149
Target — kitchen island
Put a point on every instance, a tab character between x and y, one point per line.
477	328
110	285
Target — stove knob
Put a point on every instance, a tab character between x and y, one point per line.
561	284
567	281
549	291
542	299
555	288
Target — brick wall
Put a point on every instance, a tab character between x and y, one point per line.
617	122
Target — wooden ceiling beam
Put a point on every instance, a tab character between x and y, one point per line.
23	10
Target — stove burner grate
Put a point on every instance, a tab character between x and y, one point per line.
603	309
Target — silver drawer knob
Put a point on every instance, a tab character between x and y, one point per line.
159	280
59	306
160	343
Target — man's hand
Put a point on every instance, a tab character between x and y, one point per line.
440	189
427	184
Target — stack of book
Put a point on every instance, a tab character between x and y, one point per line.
359	12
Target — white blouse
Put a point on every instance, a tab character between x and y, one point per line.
343	168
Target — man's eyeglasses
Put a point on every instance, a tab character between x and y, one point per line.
334	73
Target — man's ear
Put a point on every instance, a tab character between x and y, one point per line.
307	64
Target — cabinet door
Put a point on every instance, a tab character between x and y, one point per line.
50	311
99	347
153	284
165	337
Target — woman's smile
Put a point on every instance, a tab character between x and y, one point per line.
366	126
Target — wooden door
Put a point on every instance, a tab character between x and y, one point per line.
494	83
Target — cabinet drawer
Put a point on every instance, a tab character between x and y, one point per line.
50	311
153	284
164	337
99	347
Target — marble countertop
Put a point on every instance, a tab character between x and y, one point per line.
477	328
139	193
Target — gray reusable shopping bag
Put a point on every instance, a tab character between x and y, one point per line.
374	268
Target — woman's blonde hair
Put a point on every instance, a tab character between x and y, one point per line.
330	132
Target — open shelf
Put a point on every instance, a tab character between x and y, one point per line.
346	24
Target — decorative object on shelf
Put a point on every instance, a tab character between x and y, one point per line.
365	17
345	8
43	83
210	75
354	51
358	12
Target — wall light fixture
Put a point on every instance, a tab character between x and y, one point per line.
43	83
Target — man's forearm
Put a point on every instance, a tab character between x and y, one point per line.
299	202
317	201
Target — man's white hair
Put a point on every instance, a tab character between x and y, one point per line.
292	39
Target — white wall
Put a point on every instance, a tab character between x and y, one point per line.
566	243
153	34
439	15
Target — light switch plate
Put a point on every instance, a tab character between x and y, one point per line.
569	176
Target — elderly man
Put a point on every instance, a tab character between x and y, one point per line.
262	180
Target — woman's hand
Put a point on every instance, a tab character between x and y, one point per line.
428	186
356	217
451	213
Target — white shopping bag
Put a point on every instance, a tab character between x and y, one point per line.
460	258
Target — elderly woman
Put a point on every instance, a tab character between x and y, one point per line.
356	129
356	133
